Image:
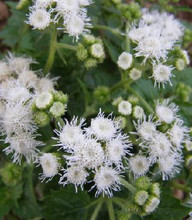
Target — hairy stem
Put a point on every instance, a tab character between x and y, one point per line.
112	30
52	50
128	185
66	46
110	209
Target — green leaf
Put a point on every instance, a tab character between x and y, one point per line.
8	198
113	52
66	204
28	206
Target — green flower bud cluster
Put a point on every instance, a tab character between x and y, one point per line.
146	197
11	174
91	51
187	38
49	105
183	91
180	58
102	94
130	11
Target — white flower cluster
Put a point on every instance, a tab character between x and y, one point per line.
18	87
72	13
156	35
97	152
161	140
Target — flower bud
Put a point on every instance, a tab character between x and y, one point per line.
102	94
90	63
44	100
60	97
82	53
11	174
122	121
97	51
143	183
135	74
57	109
117	100
41	118
125	107
151	204
180	64
89	39
133	99
155	189
188	161
141	196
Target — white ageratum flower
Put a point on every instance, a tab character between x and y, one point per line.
97	50
153	47
46	84
2	110
178	133
77	25
106	180
71	134
138	112
116	149
170	165
139	165
146	128
166	112
44	100
67	7
21	145
50	165
39	18
125	107
103	128
17	94
75	175
89	155
18	64
162	74
160	146
28	79
125	60
18	118
135	74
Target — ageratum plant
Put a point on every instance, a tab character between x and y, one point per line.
95	111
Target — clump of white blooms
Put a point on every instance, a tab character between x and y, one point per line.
125	60
163	148
155	35
71	13
100	149
17	93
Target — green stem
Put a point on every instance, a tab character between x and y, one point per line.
112	30
128	185
52	50
66	46
123	83
145	103
97	209
127	39
110	209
